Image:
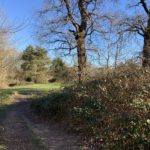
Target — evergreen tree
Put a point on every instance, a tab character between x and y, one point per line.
59	69
36	64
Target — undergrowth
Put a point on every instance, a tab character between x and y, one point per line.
113	111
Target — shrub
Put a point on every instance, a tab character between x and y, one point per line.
41	78
51	105
113	111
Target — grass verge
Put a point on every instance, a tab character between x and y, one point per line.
5	100
2	147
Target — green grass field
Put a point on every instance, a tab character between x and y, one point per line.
5	93
39	87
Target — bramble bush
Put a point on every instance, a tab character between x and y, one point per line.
113	112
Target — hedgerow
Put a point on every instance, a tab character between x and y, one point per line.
113	112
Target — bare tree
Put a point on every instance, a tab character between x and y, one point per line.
70	25
110	39
140	24
8	55
113	43
8	60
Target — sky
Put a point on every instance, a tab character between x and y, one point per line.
21	12
24	12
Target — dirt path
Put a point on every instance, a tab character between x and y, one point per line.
21	130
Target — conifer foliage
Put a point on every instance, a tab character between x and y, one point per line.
35	64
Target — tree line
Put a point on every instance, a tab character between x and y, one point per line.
37	67
33	65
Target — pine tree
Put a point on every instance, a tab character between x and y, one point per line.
35	64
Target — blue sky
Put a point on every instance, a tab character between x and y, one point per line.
21	12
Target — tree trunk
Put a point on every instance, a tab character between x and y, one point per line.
146	48
116	58
81	56
108	56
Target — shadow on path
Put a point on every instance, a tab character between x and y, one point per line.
20	129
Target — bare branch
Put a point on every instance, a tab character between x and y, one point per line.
70	15
145	6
